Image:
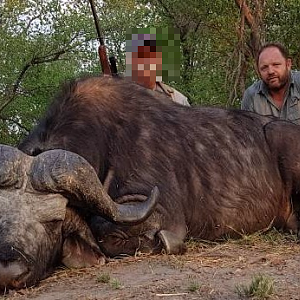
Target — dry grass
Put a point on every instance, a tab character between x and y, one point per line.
229	261
103	278
272	240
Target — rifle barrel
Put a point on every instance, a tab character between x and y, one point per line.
101	49
96	20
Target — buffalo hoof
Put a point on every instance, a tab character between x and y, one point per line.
172	244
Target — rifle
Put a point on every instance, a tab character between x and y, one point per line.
106	67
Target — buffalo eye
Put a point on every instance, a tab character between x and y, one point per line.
36	151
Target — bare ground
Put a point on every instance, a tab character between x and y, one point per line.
206	271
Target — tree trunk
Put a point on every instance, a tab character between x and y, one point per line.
249	42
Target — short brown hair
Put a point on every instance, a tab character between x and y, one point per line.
277	45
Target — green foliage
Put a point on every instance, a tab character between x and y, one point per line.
37	56
117	18
115	284
103	278
281	18
46	42
261	287
206	31
194	286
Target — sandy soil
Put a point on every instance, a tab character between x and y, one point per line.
206	271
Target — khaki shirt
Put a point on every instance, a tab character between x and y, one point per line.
171	92
257	99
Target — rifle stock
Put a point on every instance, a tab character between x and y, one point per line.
103	60
102	49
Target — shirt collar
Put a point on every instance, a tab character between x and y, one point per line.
263	88
295	93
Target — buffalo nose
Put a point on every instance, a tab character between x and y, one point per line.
12	267
11	274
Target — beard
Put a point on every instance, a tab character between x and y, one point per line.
276	83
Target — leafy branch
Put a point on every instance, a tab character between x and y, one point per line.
11	95
11	120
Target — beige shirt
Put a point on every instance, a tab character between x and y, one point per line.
171	92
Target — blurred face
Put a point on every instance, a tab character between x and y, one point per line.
145	64
274	69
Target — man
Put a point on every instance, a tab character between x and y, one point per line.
144	62
278	91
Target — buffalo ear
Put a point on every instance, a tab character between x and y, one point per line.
77	253
79	249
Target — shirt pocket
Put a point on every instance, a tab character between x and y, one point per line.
294	111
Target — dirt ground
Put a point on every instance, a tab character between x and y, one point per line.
206	271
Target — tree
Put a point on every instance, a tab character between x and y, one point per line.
46	42
261	21
251	34
38	55
34	53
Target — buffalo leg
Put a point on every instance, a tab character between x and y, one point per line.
172	244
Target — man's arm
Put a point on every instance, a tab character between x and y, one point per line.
247	101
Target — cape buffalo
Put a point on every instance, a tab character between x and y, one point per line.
219	172
37	228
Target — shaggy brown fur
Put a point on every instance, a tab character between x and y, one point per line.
220	172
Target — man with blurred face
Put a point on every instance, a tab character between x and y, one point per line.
278	91
144	63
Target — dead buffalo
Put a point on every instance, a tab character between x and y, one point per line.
219	172
37	228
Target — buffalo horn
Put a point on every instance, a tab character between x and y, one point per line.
12	166
64	172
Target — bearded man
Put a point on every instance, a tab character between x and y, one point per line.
277	93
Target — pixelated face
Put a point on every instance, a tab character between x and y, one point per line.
153	54
274	68
146	64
